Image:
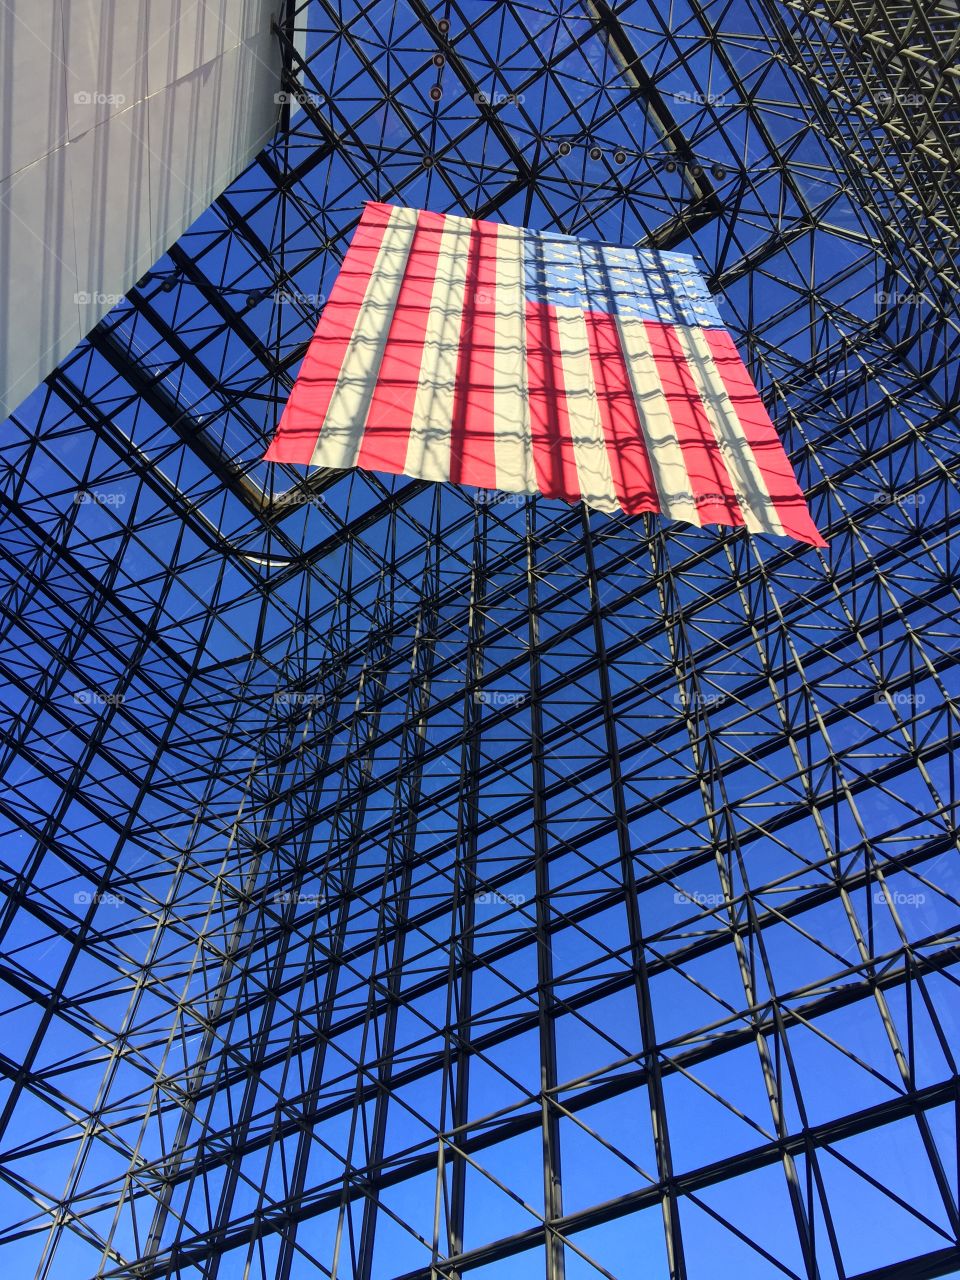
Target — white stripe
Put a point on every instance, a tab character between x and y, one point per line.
752	494
512	443
428	449
663	447
583	412
338	443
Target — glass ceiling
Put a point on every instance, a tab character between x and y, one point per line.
413	883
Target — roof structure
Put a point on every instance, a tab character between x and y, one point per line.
410	882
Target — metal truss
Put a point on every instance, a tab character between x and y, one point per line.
411	883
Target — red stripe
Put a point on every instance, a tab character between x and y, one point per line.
302	419
553	455
762	437
710	482
626	447
472	457
387	432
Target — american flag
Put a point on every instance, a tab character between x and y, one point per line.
476	353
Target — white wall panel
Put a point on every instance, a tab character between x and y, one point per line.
121	121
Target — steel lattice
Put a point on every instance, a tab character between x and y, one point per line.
406	883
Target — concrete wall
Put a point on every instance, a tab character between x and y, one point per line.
121	121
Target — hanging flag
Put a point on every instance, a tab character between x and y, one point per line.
481	354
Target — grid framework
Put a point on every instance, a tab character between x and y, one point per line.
415	883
